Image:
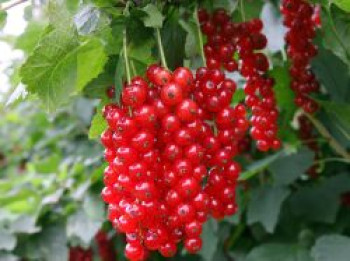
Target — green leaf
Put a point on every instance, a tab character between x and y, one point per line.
173	39
288	168
265	206
91	60
229	5
94	207
154	17
53	243
119	77
305	203
333	74
8	257
31	36
336	28
59	67
3	17
278	252
210	240
332	248
259	165
284	95
343	4
340	111
98	124
82	227
7	240
87	19
24	224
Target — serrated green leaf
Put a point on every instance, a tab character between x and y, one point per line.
94	207
8	257
154	17
333	74
278	252
343	4
288	168
3	17
259	165
31	36
340	111
24	224
87	19
265	206
305	203
331	248
336	28
210	240
80	226
173	39
119	76
53	243
98	124
59	67
91	60
7	240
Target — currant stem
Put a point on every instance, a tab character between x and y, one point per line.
161	49
200	37
242	10
335	145
126	58
14	4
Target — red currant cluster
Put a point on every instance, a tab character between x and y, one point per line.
225	39
229	125
307	136
159	148
105	247
80	254
300	19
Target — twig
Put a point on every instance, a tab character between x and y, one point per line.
13	5
126	58
161	50
200	37
335	145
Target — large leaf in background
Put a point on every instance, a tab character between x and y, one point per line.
80	226
98	123
3	16
251	9
279	252
320	202
333	74
60	67
154	17
7	240
332	248
288	168
87	19
210	240
336	28
265	206
53	243
259	165
174	39
31	36
343	4
340	112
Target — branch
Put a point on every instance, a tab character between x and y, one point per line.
18	2
335	145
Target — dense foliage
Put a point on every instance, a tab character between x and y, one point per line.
293	202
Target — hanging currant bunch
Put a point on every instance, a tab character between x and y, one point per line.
301	18
237	47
